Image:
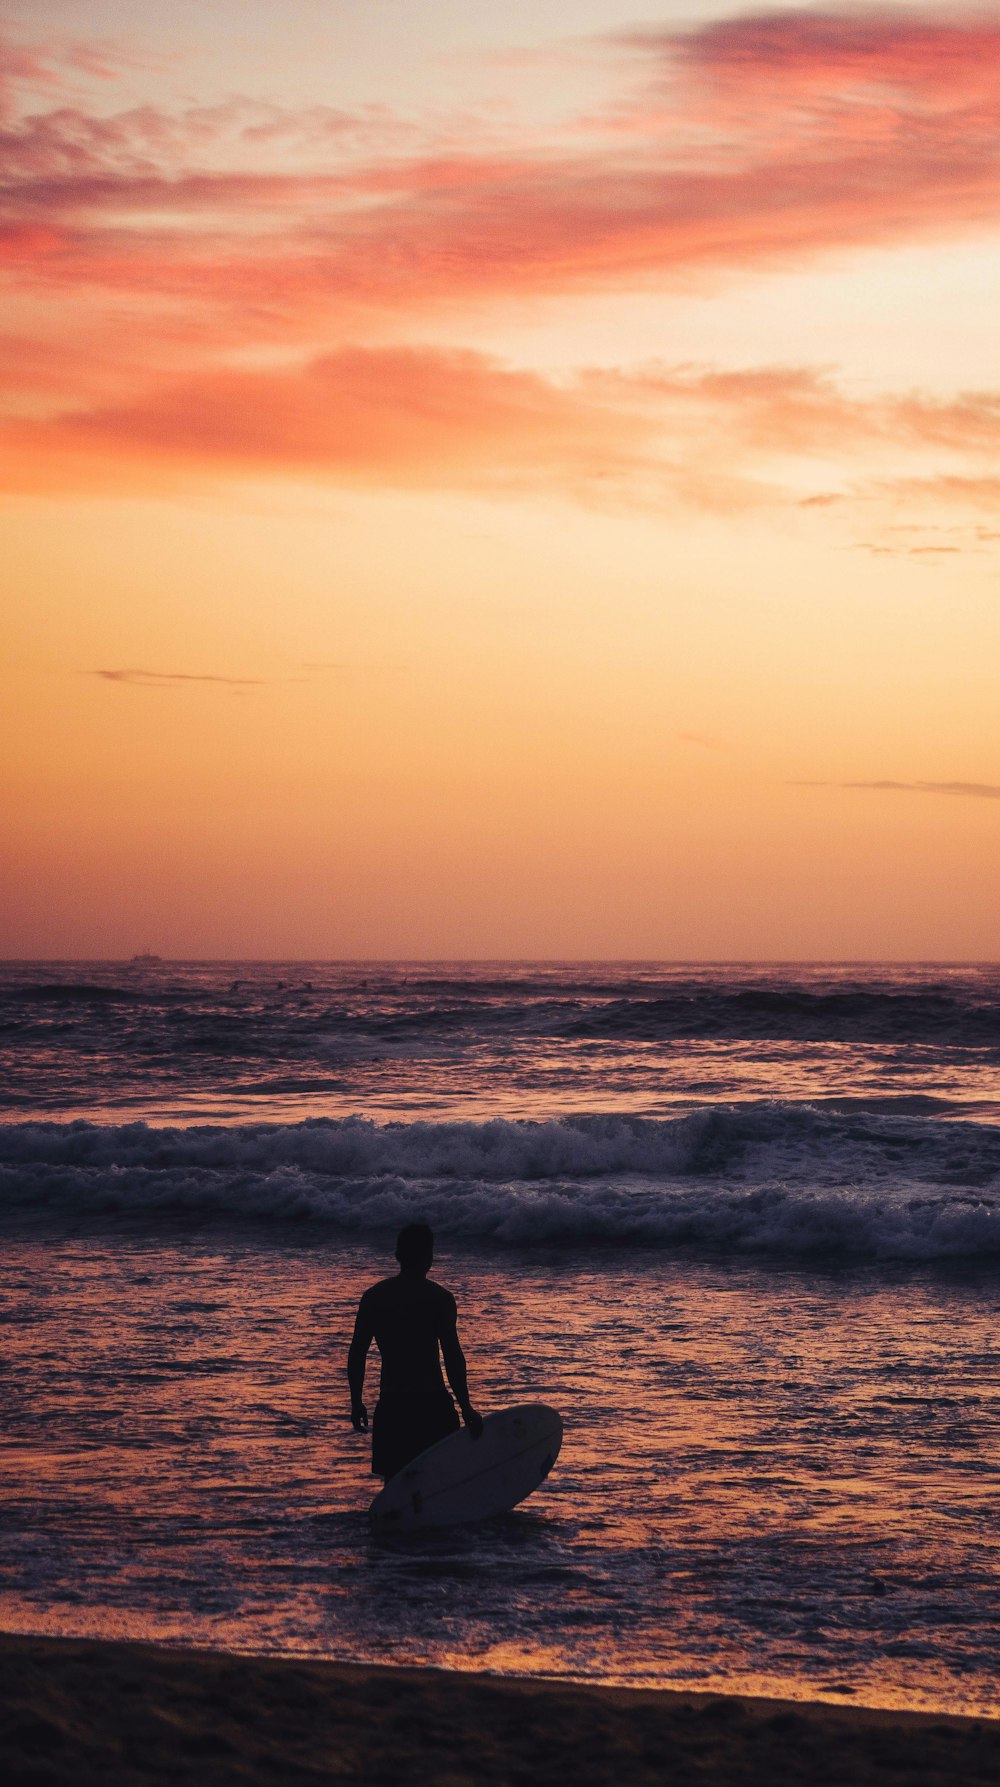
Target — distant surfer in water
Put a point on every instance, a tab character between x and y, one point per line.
413	1322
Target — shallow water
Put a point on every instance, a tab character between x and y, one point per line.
741	1225
776	1481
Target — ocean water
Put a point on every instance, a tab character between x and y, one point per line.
741	1225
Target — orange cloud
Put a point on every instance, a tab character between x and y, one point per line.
406	416
424	417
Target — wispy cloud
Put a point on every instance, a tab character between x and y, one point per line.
31	67
169	679
977	790
931	555
975	491
704	739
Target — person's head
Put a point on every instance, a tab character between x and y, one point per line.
415	1247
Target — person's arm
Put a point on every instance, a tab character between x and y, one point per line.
454	1364
356	1360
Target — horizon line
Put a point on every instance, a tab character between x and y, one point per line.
516	961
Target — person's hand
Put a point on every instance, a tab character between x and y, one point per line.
359	1417
473	1421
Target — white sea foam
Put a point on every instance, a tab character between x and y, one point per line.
783	1179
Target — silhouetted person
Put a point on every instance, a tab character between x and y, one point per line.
410	1318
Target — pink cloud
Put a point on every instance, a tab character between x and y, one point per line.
822	49
245	225
750	141
30	67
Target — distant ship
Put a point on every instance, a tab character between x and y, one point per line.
144	957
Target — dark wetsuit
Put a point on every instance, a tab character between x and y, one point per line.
412	1320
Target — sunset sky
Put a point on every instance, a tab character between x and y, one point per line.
500	481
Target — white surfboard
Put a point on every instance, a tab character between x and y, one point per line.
462	1479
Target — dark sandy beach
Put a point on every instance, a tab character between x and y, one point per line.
74	1711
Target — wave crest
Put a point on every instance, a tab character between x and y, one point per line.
791	1180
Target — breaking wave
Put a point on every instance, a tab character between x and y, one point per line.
786	1179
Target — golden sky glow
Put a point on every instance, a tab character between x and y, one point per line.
519	484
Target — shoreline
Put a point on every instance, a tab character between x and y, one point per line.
76	1710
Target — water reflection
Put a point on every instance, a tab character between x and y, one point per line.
771	1480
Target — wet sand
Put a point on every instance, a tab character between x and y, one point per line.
83	1711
